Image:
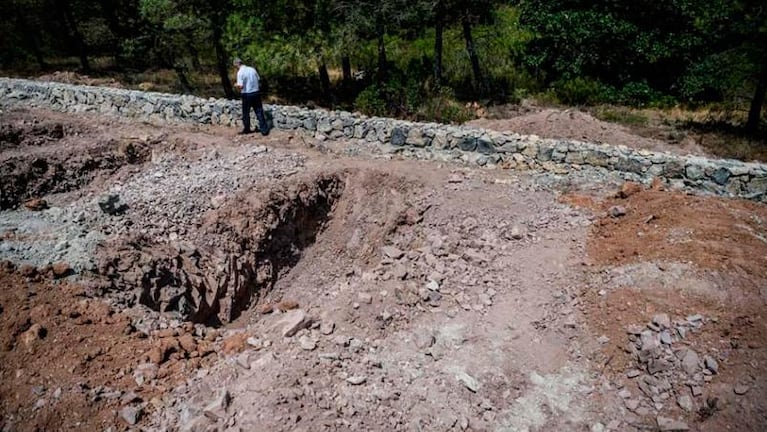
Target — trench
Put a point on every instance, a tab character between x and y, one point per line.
252	241
32	167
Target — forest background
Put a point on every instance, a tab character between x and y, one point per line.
435	60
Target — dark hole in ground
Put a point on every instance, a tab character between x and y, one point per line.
251	242
37	173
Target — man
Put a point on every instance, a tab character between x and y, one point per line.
247	82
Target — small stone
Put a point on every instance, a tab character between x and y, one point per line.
36	204
711	364
356	380
617	211
603	339
670	425
432	285
292	322
665	337
696	390
131	415
516	232
216	409
110	204
741	389
327	327
662	320
690	362
424	340
597	427
467	380
61	269
392	252
307	343
633	373
40	404
694	318
365	298
254	342
632	404
685	402
624	394
57	393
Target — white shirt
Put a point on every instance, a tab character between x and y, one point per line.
247	79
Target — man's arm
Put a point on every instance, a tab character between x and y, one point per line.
239	83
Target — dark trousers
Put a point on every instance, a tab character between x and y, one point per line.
253	100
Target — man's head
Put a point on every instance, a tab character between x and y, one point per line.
237	62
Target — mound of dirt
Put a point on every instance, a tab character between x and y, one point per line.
581	126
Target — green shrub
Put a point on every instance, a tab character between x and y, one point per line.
371	101
579	91
443	108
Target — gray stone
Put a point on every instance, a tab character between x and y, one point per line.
111	205
468	381
423	339
690	362
398	137
292	321
131	415
632	404
670	425
711	364
633	373
662	320
356	380
617	211
721	175
365	298
665	337
307	343
216	408
685	402
468	144
327	327
741	389
392	252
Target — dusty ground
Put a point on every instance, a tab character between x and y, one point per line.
352	289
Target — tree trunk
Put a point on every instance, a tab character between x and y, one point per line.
221	63
77	37
346	67
32	38
382	72
755	112
439	27
324	80
471	50
182	79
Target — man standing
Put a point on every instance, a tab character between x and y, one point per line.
247	82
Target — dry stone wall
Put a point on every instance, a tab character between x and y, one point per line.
483	147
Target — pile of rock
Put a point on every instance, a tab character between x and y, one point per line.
667	371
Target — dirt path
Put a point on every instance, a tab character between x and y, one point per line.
352	290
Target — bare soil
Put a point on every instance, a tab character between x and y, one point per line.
369	292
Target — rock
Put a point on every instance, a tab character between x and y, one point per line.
597	427
131	415
741	389
392	252
467	380
327	327
36	204
665	337
110	204
669	425
711	364
145	372
617	211
28	270
432	285
365	298
516	233
624	394
187	343
34	333
293	321
628	189
695	318
307	343
696	390
39	404
254	342
217	201
423	340
216	408
633	373
356	380
632	404
685	402
662	320
690	362
61	269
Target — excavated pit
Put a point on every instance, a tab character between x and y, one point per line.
241	251
39	159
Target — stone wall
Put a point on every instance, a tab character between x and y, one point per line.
483	147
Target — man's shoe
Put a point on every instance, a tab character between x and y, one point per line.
265	133
244	132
